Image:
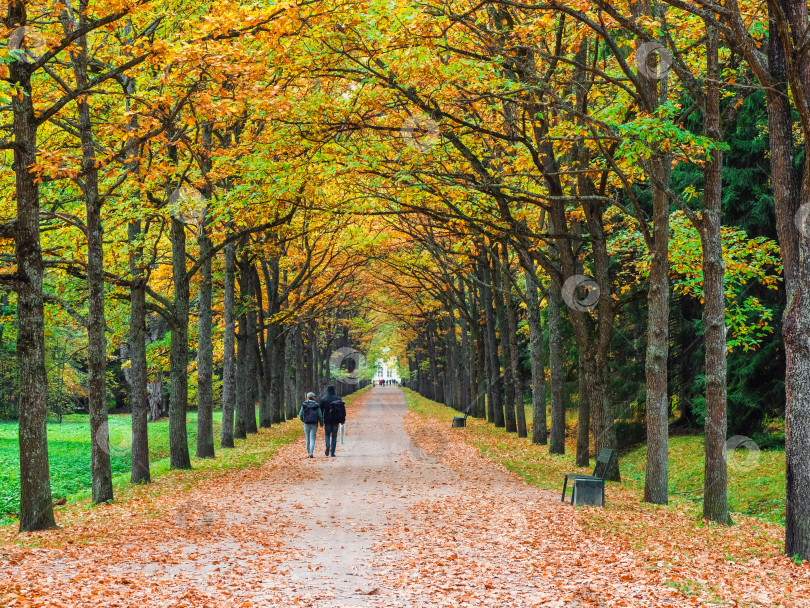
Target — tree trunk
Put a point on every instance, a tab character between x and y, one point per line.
179	457
468	381
228	357
436	394
291	400
496	414
270	361
205	353
277	393
499	295
539	424
299	364
583	415
252	353
137	361
139	369
511	325
657	474
36	505
154	392
205	344
242	374
795	249
102	490
451	359
715	498
555	364
797	417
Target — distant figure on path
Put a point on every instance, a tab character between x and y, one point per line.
334	414
311	416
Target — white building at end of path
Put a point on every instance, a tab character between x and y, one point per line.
387	370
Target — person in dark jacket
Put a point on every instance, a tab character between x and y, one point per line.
334	414
311	415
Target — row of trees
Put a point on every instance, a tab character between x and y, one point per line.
149	181
552	137
484	156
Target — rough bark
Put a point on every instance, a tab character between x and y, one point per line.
228	359
205	354
278	375
657	473
511	325
137	361
205	344
583	415
495	406
36	505
290	401
480	370
468	381
254	380
451	358
555	364
299	364
179	457
715	494
498	292
795	249
539	422
138	365
269	361
101	489
155	395
242	373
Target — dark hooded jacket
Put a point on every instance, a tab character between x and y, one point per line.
333	413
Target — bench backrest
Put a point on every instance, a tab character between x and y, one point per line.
604	463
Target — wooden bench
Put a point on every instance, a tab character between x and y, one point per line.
604	463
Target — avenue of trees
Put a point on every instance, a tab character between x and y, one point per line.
536	192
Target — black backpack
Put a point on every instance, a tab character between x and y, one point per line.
310	412
337	411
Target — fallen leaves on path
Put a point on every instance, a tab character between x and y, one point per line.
435	525
504	531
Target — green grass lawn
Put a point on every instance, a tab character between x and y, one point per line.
756	480
69	452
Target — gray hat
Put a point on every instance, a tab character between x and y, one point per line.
310	395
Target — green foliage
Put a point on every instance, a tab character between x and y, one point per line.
216	386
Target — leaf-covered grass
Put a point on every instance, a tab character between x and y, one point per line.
69	455
756	479
667	536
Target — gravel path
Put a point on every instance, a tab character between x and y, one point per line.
390	521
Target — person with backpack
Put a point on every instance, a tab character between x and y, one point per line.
334	414
311	415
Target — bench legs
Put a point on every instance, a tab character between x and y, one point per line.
565	484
